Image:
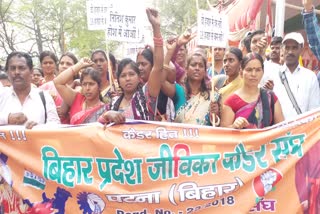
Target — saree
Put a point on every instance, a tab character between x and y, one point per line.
142	106
106	95
196	110
258	113
88	115
80	116
230	88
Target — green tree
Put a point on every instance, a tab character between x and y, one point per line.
177	16
7	33
56	25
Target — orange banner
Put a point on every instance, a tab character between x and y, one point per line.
161	168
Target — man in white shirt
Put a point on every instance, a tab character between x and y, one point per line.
302	82
22	104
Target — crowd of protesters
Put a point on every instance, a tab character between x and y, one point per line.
244	87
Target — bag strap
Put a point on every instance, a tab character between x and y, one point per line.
44	105
265	107
284	81
272	107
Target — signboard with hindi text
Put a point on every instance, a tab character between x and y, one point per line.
125	26
161	168
212	29
97	13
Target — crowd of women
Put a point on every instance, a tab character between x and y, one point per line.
163	84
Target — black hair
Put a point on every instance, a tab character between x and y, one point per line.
147	54
99	51
251	56
19	55
3	75
123	63
250	36
236	51
203	87
94	74
246	42
113	61
111	57
276	40
39	69
49	54
71	55
256	32
140	99
74	59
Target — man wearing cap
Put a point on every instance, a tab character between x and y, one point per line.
311	27
296	87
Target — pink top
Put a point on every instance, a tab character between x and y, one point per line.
235	102
49	86
77	104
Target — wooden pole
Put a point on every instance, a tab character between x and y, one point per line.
110	73
212	84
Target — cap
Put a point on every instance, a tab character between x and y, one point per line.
294	36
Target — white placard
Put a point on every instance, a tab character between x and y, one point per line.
124	26
213	29
97	13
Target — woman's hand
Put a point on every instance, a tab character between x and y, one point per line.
269	85
153	17
240	123
85	62
186	37
262	45
214	108
113	116
171	44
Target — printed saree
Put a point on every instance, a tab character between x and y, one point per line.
230	88
196	110
258	113
87	116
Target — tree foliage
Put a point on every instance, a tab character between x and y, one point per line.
37	25
61	25
180	15
7	33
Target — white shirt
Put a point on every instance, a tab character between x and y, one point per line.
32	107
271	69
304	86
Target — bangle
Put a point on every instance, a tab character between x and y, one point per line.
158	41
218	121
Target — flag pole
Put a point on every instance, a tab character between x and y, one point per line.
279	17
